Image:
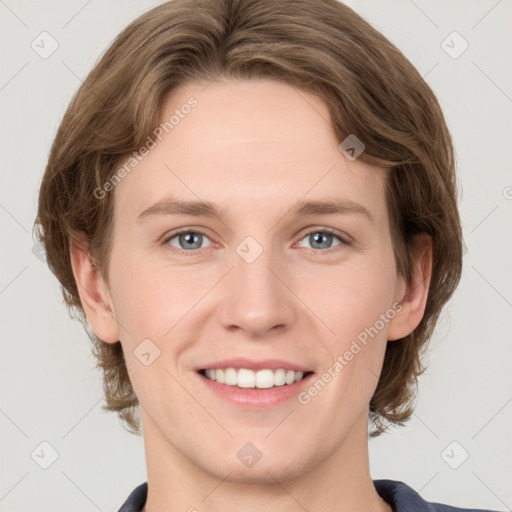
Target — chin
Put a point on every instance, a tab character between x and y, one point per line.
267	470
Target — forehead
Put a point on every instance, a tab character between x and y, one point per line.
245	145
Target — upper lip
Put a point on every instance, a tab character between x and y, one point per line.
255	365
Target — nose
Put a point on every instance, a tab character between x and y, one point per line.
257	296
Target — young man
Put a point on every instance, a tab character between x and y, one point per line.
253	206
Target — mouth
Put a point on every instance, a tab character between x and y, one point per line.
246	378
254	385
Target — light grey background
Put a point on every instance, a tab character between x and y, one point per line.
49	389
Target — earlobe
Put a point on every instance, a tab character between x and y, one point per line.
413	296
94	294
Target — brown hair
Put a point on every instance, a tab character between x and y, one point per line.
319	46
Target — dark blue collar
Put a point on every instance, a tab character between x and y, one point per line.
400	496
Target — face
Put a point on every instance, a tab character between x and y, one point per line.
265	285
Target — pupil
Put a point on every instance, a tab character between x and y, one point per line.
318	236
191	238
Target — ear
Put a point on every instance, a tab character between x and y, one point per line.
413	296
94	294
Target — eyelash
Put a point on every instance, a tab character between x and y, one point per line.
193	252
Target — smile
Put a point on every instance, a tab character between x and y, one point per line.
261	379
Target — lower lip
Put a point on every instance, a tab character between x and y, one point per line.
255	398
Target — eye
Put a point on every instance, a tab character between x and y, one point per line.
187	240
323	239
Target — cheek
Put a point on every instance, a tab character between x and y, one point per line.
148	300
355	297
137	299
358	306
359	313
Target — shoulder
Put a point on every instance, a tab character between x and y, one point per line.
137	499
403	498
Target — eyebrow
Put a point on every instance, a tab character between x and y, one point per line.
334	206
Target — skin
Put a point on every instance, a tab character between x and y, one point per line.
254	148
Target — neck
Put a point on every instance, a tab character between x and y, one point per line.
339	482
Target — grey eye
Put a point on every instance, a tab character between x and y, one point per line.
321	239
188	240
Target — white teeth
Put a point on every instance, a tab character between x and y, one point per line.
210	374
262	379
279	377
230	376
290	377
245	378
